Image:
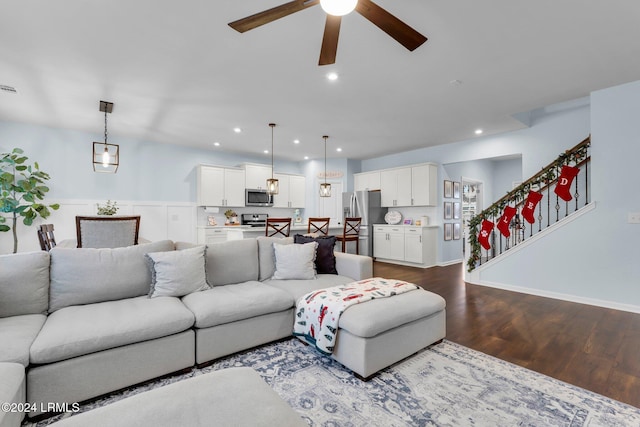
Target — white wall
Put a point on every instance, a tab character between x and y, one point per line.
593	259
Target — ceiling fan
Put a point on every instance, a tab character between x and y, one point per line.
401	32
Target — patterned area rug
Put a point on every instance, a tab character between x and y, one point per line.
444	385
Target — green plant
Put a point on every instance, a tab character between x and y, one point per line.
230	213
110	208
21	190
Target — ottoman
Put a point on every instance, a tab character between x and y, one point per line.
228	397
12	394
378	333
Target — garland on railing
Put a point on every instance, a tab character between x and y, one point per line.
546	176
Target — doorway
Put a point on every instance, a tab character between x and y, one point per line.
331	206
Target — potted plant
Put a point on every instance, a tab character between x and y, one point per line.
232	217
110	208
22	187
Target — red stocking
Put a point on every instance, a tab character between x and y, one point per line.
485	232
530	205
503	224
564	182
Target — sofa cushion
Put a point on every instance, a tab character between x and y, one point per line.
17	333
226	304
85	276
79	330
24	283
325	258
234	261
266	254
177	273
12	390
295	261
298	288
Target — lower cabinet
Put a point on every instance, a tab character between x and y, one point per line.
211	235
405	244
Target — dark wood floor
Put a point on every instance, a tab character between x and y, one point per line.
594	348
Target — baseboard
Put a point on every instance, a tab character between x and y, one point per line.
560	296
448	263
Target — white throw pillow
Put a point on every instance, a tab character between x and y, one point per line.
177	273
295	261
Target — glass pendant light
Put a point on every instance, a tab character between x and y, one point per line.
272	183
325	188
106	157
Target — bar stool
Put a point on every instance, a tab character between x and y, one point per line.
278	226
318	225
351	233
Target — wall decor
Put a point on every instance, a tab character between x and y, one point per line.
456	210
408	221
456	231
448	231
448	189
448	210
456	190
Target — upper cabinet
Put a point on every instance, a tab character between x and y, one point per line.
256	176
291	194
366	181
409	186
217	186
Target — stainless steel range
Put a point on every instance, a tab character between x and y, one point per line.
254	220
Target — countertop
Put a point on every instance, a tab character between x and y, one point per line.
406	225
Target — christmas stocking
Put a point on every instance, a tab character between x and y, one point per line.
530	205
485	232
503	224
564	182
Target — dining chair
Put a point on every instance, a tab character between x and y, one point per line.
107	232
46	237
318	225
277	226
350	233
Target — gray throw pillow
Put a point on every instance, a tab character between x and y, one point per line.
177	273
295	261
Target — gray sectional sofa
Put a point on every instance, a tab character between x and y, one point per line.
82	324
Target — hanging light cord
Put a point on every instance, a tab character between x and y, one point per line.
105	126
325	158
272	126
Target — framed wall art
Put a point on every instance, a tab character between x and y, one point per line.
448	231
456	210
448	189
448	210
456	231
456	190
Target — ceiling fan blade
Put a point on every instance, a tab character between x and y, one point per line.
330	40
404	34
270	15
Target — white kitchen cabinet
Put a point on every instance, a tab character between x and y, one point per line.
291	193
207	236
405	244
395	187
366	181
217	186
424	190
256	176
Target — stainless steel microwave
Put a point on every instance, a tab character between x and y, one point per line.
255	197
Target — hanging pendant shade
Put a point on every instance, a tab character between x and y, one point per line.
106	157
325	188
272	183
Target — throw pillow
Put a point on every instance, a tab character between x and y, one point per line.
177	273
295	261
325	258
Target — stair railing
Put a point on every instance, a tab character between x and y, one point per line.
550	209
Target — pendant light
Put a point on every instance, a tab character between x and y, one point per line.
325	189
272	183
338	7
106	156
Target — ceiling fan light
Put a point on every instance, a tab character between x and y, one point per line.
338	7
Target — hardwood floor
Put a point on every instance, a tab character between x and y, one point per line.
592	347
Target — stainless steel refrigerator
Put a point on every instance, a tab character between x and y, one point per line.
366	205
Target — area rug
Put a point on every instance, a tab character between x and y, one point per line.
444	385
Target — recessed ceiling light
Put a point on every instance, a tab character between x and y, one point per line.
237	130
217	144
455	82
478	131
332	76
266	151
296	141
338	149
306	157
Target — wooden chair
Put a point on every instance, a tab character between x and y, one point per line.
278	226
351	233
107	232
318	225
46	237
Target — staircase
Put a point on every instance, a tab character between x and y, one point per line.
549	210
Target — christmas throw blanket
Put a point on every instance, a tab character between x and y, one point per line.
318	312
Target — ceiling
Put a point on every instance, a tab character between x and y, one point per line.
178	74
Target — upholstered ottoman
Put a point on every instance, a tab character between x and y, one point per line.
12	394
229	397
